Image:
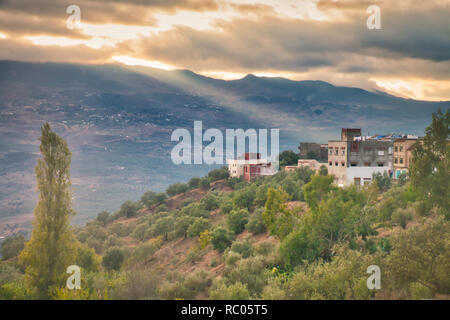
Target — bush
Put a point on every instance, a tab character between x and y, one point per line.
386	209
87	259
221	238
139	232
244	248
198	226
209	202
103	217
145	251
236	291
194	182
402	216
383	181
177	188
237	219
12	246
232	258
245	199
226	206
256	224
113	259
218	174
204	239
250	272
129	209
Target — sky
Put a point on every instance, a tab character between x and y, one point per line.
409	56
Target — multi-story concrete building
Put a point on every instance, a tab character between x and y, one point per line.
355	158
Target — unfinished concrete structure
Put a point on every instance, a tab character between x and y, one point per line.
355	158
306	148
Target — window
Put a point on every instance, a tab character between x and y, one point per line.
395	160
331	163
381	152
401	160
336	164
401	148
331	151
380	164
367	150
343	152
396	149
336	151
353	164
343	164
366	164
390	150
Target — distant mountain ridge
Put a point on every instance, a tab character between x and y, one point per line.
118	120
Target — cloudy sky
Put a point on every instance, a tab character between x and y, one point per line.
298	39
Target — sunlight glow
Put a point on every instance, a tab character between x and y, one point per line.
130	61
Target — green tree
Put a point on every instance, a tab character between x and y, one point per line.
219	174
237	219
323	171
198	226
129	208
51	248
245	198
383	181
317	189
113	259
12	246
276	216
288	158
221	238
430	171
194	182
103	217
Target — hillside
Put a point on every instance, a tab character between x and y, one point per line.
118	120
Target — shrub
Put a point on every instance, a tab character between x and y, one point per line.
204	239
237	219
264	248
113	259
402	216
244	248
199	225
103	217
139	232
218	174
11	247
210	202
221	238
87	259
194	182
226	206
256	224
129	209
236	291
250	272
232	258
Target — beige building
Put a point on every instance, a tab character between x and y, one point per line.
403	155
308	163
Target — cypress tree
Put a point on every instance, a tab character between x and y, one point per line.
51	248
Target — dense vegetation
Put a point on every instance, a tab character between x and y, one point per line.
294	235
